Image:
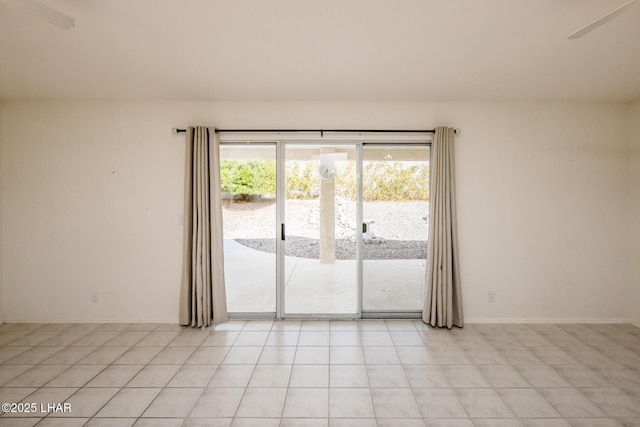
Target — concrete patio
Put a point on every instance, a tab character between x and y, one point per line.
312	287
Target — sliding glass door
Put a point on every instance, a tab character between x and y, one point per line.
324	229
395	206
248	186
320	246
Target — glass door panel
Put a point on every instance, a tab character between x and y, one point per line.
395	211
320	247
248	186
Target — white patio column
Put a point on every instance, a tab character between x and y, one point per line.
327	214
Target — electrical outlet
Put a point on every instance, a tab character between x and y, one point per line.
180	220
95	297
491	296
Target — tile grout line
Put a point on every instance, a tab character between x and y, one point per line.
522	347
235	414
68	368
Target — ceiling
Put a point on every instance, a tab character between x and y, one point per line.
321	50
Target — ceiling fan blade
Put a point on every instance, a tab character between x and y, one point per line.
47	14
601	21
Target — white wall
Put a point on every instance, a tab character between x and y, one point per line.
92	191
1	213
634	253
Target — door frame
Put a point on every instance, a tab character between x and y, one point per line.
358	142
390	314
280	223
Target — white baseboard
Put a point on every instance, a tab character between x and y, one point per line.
546	320
469	320
634	322
162	321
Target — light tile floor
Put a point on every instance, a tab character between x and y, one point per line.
320	373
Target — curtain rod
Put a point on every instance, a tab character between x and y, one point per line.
320	131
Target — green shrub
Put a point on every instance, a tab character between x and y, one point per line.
248	177
303	181
382	180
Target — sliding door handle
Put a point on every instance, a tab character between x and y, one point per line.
364	227
282	236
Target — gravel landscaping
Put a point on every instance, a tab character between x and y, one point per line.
304	247
400	226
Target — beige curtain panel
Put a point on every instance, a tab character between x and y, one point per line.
443	299
202	295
